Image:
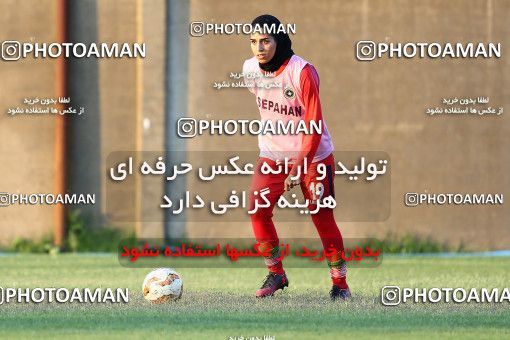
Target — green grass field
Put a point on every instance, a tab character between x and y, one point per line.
219	303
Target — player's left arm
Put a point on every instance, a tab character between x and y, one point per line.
309	82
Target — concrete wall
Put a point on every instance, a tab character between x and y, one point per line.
117	94
132	106
368	106
381	105
27	142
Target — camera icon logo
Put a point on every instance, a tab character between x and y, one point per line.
197	29
365	50
11	50
186	127
5	199
390	295
411	199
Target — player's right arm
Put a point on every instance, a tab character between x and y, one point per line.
248	81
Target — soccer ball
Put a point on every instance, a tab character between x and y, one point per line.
162	285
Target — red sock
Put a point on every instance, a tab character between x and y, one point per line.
277	268
340	282
274	261
338	275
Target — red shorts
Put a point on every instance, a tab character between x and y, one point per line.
312	187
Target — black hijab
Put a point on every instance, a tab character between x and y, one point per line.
283	43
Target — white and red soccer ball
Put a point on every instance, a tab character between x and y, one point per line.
162	285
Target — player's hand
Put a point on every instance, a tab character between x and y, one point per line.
290	183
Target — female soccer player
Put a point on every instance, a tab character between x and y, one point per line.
297	99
